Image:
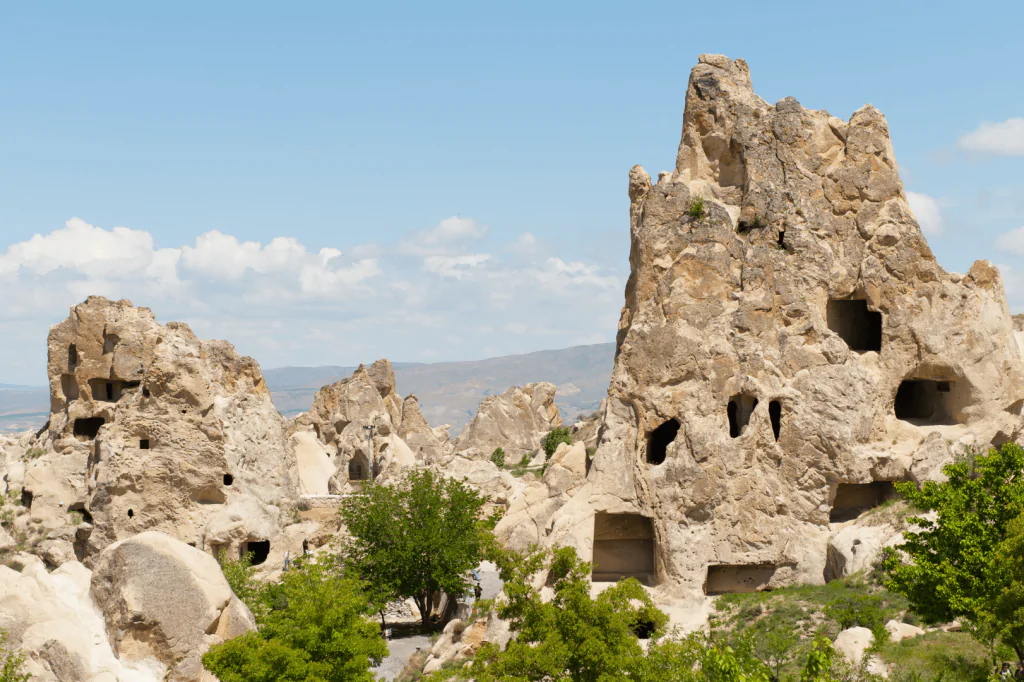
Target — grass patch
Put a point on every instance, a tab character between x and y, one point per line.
696	209
954	656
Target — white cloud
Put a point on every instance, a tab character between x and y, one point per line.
429	296
929	215
445	237
1003	139
1012	241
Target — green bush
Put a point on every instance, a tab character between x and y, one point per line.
11	663
860	610
498	457
525	461
559	434
696	209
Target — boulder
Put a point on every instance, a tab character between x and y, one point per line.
853	642
164	600
857	547
515	421
900	631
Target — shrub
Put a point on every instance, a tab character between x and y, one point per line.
498	457
696	209
525	461
863	610
11	663
559	434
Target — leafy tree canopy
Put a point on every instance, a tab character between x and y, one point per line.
318	632
559	434
416	538
961	564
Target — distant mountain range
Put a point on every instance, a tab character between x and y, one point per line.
449	392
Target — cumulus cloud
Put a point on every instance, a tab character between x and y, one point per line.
1012	241
432	295
929	216
1003	139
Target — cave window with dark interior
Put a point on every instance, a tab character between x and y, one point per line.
853	499
26	498
143	444
623	548
357	468
926	402
72	357
131	513
855	324
659	440
782	240
738	578
228	479
775	415
740	407
87	427
260	550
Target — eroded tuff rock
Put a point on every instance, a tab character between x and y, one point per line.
164	600
332	438
152	428
782	349
515	421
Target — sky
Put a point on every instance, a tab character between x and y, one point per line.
329	183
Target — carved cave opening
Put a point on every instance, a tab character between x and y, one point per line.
928	402
228	479
855	324
775	415
733	578
87	427
623	548
260	551
741	406
72	358
853	499
659	439
26	498
143	444
357	467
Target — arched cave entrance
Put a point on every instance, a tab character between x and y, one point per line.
260	550
623	548
927	402
659	439
741	406
357	468
87	427
855	324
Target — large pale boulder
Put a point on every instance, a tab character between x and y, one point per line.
900	631
152	428
164	600
515	421
857	547
853	643
788	347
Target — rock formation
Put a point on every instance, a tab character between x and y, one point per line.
153	429
789	346
515	421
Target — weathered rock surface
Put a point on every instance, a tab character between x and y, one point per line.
783	347
164	600
900	631
334	432
853	642
152	428
515	421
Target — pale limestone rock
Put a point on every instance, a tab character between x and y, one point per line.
337	422
152	428
856	548
900	631
165	600
853	642
515	421
806	286
429	445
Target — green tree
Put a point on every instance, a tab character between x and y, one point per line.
1005	613
241	576
559	434
820	661
11	663
573	636
416	538
319	632
498	457
860	610
954	569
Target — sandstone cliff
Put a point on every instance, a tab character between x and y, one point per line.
789	346
515	421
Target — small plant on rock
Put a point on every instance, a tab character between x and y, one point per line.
559	434
498	457
696	209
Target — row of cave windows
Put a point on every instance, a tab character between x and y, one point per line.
624	544
919	401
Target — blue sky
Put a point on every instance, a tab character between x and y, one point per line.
426	145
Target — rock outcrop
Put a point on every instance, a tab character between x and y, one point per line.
515	421
164	600
789	346
153	429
